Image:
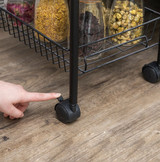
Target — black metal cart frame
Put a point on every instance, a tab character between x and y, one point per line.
68	110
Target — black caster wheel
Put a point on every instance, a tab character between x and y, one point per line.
65	113
151	72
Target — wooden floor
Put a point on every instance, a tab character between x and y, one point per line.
120	118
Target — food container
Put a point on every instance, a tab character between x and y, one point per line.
52	19
126	14
23	9
106	12
91	27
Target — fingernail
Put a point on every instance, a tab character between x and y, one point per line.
57	95
5	115
11	117
22	115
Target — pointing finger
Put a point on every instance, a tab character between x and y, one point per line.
32	96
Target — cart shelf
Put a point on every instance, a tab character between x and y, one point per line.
59	54
67	58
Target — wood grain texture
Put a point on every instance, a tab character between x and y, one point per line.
120	118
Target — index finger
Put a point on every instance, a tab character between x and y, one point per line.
33	96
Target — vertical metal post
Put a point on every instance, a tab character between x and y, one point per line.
74	39
158	58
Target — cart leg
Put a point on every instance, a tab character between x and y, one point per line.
68	110
151	71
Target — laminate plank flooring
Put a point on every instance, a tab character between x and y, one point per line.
120	111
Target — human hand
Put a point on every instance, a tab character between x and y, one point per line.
14	100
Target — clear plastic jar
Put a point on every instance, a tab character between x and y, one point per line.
106	9
52	19
91	27
126	14
23	9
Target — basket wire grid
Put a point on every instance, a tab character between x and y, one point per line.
59	54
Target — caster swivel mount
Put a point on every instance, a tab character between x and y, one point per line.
66	112
151	72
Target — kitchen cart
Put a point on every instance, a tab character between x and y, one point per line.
68	58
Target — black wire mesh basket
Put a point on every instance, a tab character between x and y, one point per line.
59	54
